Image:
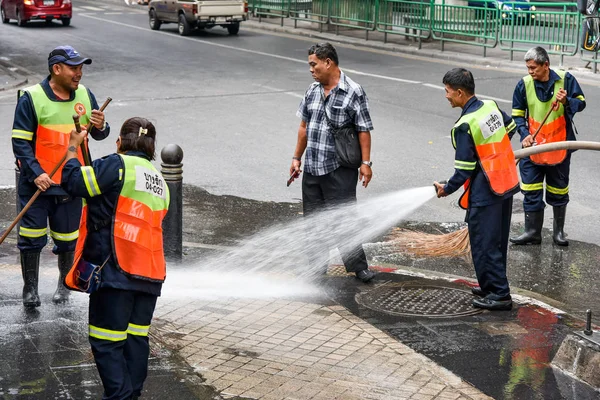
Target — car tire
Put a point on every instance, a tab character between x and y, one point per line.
3	16
153	20
233	29
183	26
66	21
20	21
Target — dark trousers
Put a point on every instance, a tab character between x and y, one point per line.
119	323
326	191
532	184
489	229
62	212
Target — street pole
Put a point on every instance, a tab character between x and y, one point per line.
172	170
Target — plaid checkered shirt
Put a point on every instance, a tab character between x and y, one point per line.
346	103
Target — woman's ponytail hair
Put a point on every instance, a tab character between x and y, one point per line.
138	134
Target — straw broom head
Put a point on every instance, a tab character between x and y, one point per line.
453	244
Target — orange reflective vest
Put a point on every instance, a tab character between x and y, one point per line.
55	122
496	157
137	236
555	128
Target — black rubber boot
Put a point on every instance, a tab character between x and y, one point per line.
30	268
65	262
558	225
533	229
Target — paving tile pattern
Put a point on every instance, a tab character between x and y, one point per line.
276	349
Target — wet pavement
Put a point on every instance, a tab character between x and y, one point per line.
46	354
203	350
505	354
225	348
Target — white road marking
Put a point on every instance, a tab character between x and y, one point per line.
483	96
274	89
431	85
92	8
296	60
113	13
494	98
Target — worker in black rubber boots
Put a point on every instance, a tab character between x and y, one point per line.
485	164
43	122
119	256
548	98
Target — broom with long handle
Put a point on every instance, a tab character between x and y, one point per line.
56	167
453	244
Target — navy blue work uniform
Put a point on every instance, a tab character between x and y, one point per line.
488	215
54	205
122	308
557	176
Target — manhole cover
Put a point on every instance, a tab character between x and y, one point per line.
427	301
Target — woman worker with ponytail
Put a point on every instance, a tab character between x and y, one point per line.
125	201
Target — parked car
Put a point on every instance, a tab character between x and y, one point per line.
201	14
506	9
30	10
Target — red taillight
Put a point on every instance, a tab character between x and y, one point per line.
195	9
245	7
29	2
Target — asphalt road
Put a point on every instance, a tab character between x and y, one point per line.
230	102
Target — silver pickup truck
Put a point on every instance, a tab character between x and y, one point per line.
190	14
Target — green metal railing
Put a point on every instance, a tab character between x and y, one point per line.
270	8
310	10
556	26
476	26
355	14
410	15
515	26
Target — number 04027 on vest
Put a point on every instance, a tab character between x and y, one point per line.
150	182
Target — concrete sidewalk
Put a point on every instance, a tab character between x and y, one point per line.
344	340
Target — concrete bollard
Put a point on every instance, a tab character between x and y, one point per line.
172	170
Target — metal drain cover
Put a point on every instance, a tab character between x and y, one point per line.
423	301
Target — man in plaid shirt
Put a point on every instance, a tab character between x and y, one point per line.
325	182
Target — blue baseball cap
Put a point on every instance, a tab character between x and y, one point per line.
66	55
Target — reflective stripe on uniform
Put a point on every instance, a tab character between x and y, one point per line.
531	187
138	330
580	97
107	334
465	165
32	232
89	177
512	126
555	190
120	174
65	237
518	113
20	134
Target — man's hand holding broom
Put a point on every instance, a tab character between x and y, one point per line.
77	137
561	98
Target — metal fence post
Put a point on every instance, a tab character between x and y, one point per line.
172	170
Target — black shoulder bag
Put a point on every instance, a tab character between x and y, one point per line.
347	146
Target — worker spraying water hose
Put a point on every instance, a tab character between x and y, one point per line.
484	164
456	244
